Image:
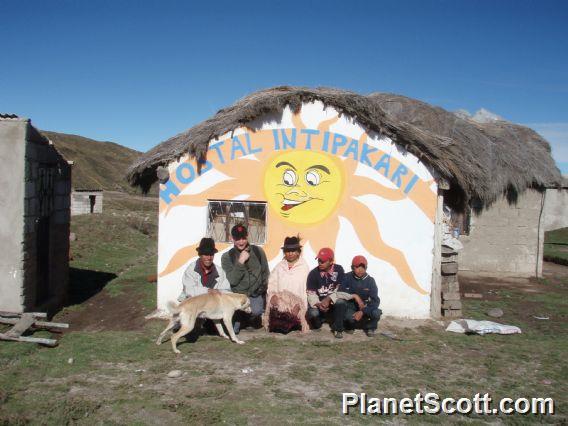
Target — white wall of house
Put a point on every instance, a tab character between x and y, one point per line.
375	199
506	239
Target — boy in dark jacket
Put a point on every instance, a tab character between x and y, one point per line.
357	300
323	282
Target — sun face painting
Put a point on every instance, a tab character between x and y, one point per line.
327	180
303	187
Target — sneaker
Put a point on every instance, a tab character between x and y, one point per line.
339	334
317	330
349	330
371	333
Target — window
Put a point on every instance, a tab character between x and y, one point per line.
223	215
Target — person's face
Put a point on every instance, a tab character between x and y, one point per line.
291	256
359	270
324	265
206	259
241	243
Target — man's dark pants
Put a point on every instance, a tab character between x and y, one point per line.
316	317
343	316
257	309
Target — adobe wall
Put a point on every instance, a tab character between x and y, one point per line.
12	151
506	239
323	176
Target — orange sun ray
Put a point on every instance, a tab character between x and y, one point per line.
277	231
325	236
297	121
374	244
326	124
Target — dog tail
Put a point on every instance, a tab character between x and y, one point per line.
173	307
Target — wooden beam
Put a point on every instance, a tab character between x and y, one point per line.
19	314
21	325
47	342
38	324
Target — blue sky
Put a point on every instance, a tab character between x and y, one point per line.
138	72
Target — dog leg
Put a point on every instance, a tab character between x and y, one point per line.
170	327
187	324
220	330
234	338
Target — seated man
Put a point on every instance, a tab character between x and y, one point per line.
286	302
247	271
202	276
321	287
357	301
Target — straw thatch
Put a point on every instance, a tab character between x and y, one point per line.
481	161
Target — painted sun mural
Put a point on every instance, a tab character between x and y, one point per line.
309	175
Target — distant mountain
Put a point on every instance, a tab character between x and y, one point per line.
96	165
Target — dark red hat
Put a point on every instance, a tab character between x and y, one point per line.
325	254
359	260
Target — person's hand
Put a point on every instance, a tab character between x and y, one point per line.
325	304
359	301
244	256
358	315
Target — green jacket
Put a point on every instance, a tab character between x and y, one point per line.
252	277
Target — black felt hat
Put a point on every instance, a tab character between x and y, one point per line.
206	246
291	243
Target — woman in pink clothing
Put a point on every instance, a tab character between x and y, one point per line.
286	302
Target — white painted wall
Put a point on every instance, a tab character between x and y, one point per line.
406	224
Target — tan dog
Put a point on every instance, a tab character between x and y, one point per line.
214	306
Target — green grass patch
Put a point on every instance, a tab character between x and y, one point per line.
556	246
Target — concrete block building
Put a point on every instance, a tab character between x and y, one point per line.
370	175
34	219
86	201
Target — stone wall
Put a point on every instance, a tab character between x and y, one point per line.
556	206
506	239
12	154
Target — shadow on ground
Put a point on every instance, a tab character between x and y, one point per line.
84	284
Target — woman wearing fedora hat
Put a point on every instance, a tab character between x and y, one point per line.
286	296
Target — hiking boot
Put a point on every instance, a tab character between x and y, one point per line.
371	333
339	334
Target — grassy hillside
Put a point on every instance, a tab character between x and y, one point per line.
97	165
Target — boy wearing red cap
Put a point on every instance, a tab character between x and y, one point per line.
322	285
357	300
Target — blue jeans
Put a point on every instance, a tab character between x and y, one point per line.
257	309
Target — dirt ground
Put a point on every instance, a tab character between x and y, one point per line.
105	312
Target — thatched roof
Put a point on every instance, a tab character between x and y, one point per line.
481	161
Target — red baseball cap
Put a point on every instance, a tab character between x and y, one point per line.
325	254
359	260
